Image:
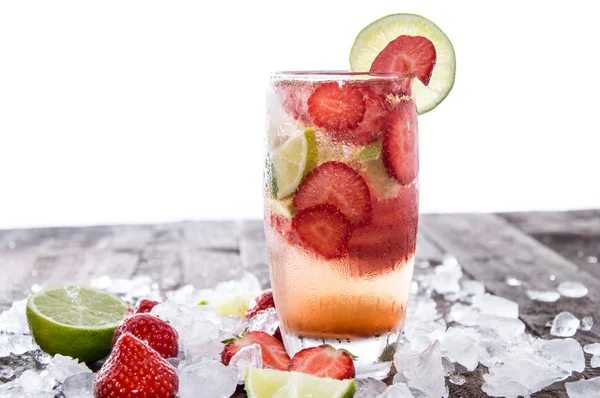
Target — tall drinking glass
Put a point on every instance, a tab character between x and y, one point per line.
341	210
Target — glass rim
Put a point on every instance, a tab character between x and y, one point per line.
332	75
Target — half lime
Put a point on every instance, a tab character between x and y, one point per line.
75	321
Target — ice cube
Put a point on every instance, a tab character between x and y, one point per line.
369	388
463	314
508	329
592	259
250	355
459	380
187	294
593	349
448	365
232	326
446	277
265	321
583	388
421	335
79	385
566	354
546	296
564	324
472	288
14	319
15	343
461	345
423	372
32	381
62	367
572	289
595	361
494	305
210	377
510	281
587	323
399	390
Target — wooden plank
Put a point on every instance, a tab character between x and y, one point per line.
574	234
578	222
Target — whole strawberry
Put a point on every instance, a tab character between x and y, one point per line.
157	333
133	369
144	305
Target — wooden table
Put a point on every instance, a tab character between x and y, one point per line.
539	249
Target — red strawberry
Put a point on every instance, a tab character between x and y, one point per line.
339	185
400	147
323	229
411	56
336	107
260	303
370	128
133	369
391	237
273	353
144	305
157	333
324	361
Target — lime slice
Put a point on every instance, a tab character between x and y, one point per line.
268	383
284	207
292	161
372	39
231	306
75	321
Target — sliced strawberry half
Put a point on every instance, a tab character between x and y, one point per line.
324	361
391	237
324	229
371	127
337	108
260	303
273	352
410	56
339	185
400	147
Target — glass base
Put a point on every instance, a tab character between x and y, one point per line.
374	354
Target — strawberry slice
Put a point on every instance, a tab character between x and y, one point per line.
336	107
324	361
400	147
390	239
134	369
371	127
339	185
410	56
157	333
144	305
260	303
323	229
273	353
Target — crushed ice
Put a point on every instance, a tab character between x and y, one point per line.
478	329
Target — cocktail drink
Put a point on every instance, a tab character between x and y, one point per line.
341	202
341	210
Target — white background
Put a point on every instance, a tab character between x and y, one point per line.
146	111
